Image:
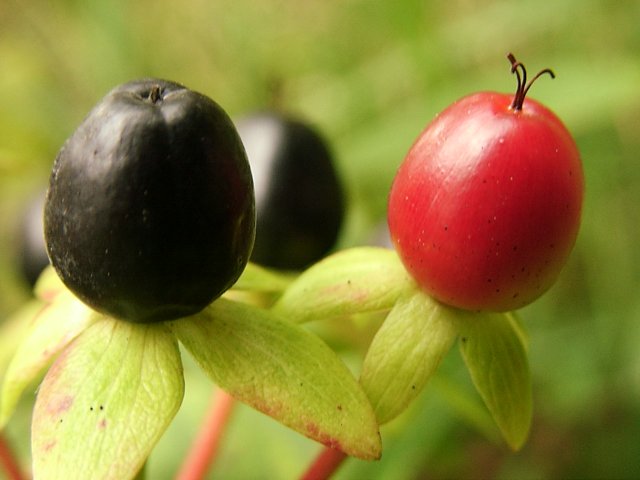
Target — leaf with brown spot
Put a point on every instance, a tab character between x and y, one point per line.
106	401
284	371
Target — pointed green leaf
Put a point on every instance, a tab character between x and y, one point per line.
54	327
405	352
259	279
358	280
493	350
13	330
106	401
285	372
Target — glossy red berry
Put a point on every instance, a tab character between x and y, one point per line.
485	209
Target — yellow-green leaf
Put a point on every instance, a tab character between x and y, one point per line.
106	401
13	330
54	327
493	350
283	371
405	352
357	280
259	279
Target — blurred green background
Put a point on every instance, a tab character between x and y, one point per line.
370	75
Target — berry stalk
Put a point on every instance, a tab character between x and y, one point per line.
325	465
9	462
206	445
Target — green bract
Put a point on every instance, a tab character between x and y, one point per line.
416	334
106	401
284	371
358	280
406	351
493	348
117	385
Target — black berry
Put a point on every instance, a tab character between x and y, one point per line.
150	212
299	197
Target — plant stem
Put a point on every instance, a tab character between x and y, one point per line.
207	442
325	464
9	462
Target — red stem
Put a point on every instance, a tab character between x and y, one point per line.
9	462
325	464
205	447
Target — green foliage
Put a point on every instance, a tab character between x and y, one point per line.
134	371
106	401
357	280
283	371
406	351
495	355
53	327
370	75
255	278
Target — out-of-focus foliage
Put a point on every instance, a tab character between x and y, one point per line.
370	75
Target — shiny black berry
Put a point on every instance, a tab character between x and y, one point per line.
299	197
150	211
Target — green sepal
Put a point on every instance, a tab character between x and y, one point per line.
284	371
13	330
256	278
406	351
106	401
357	280
493	348
52	329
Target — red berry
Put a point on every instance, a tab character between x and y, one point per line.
485	209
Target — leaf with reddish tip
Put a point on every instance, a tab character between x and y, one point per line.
53	328
493	349
357	280
406	351
106	401
285	372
